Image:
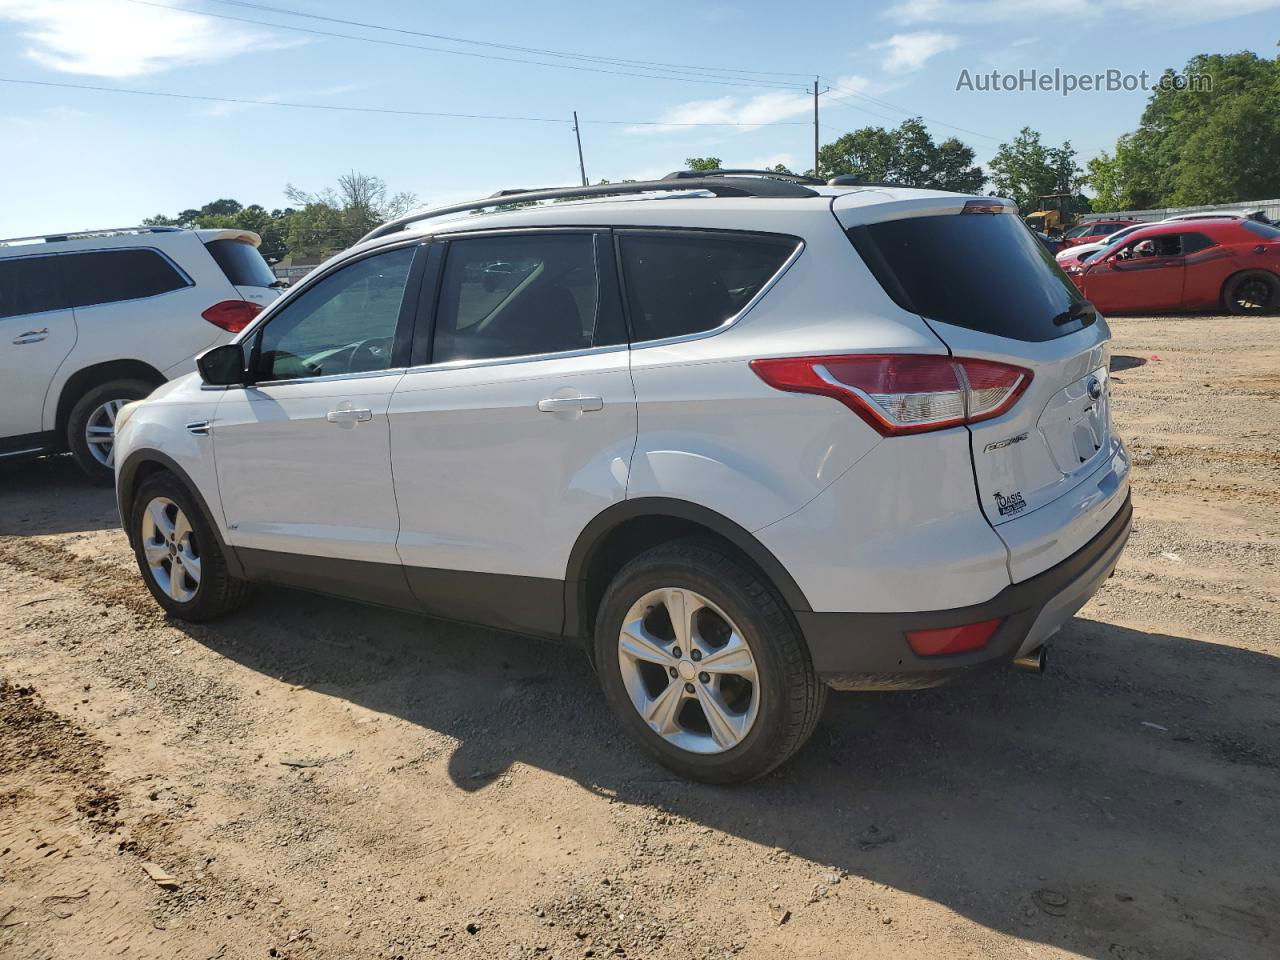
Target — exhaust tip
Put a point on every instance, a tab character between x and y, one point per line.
1035	661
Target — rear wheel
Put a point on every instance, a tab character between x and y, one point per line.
180	557
91	426
1254	292
703	664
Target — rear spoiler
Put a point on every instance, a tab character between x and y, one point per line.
229	233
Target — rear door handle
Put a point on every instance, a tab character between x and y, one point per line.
348	415
31	336
561	404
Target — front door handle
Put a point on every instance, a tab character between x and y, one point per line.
348	415
563	404
31	336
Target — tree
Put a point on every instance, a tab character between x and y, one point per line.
703	163
1195	145
1026	170
361	201
906	154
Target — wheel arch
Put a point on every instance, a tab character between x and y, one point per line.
626	529
144	463
84	380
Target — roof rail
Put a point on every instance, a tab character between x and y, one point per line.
854	180
76	234
735	172
719	186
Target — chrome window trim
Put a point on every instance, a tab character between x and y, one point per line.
746	308
328	378
523	358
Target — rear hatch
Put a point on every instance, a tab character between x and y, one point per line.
989	290
236	253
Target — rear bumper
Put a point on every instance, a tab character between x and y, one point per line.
869	651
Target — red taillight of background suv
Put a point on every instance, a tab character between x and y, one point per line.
898	394
232	315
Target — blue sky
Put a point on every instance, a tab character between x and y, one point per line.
77	158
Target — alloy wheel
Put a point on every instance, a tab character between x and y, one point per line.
1253	296
170	548
689	671
100	432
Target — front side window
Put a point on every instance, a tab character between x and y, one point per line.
111	276
344	323
684	283
29	285
517	296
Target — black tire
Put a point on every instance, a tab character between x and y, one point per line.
791	696
79	419
1252	293
218	592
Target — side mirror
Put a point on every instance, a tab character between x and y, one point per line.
223	366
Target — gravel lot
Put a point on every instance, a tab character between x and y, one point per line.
315	779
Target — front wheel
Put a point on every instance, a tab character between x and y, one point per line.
178	553
704	665
1254	292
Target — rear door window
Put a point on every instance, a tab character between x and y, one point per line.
682	283
29	285
241	262
111	276
1192	242
984	272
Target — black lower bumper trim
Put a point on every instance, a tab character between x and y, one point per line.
869	651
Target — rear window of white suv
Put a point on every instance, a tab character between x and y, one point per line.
984	272
241	262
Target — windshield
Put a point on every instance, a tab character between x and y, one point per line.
1006	283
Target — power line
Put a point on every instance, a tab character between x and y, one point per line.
464	53
654	64
386	110
904	110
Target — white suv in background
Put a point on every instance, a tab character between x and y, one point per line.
90	321
742	438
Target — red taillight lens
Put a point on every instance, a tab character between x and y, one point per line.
232	315
935	643
903	393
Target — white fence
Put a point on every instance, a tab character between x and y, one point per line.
1270	207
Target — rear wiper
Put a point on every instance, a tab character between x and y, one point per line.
1084	311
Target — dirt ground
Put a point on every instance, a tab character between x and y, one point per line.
316	779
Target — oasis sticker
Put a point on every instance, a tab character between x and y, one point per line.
1011	504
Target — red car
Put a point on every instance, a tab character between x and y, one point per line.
1093	231
1188	265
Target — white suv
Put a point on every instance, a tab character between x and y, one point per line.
90	321
741	438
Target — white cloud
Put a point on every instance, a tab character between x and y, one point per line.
1065	11
746	113
110	38
911	51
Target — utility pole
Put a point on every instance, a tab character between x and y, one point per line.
815	126
582	170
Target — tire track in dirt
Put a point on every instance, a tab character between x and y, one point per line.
97	580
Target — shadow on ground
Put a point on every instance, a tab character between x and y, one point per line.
53	495
1138	780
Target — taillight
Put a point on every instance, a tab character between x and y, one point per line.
903	393
232	315
936	643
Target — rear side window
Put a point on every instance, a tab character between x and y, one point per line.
984	272
28	285
241	262
1266	230
110	276
518	296
683	283
1192	242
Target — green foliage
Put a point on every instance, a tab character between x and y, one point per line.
703	163
906	155
1026	170
1197	146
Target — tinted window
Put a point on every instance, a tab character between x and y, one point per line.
242	263
109	276
344	323
517	296
985	272
678	284
1267	230
28	285
1191	242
